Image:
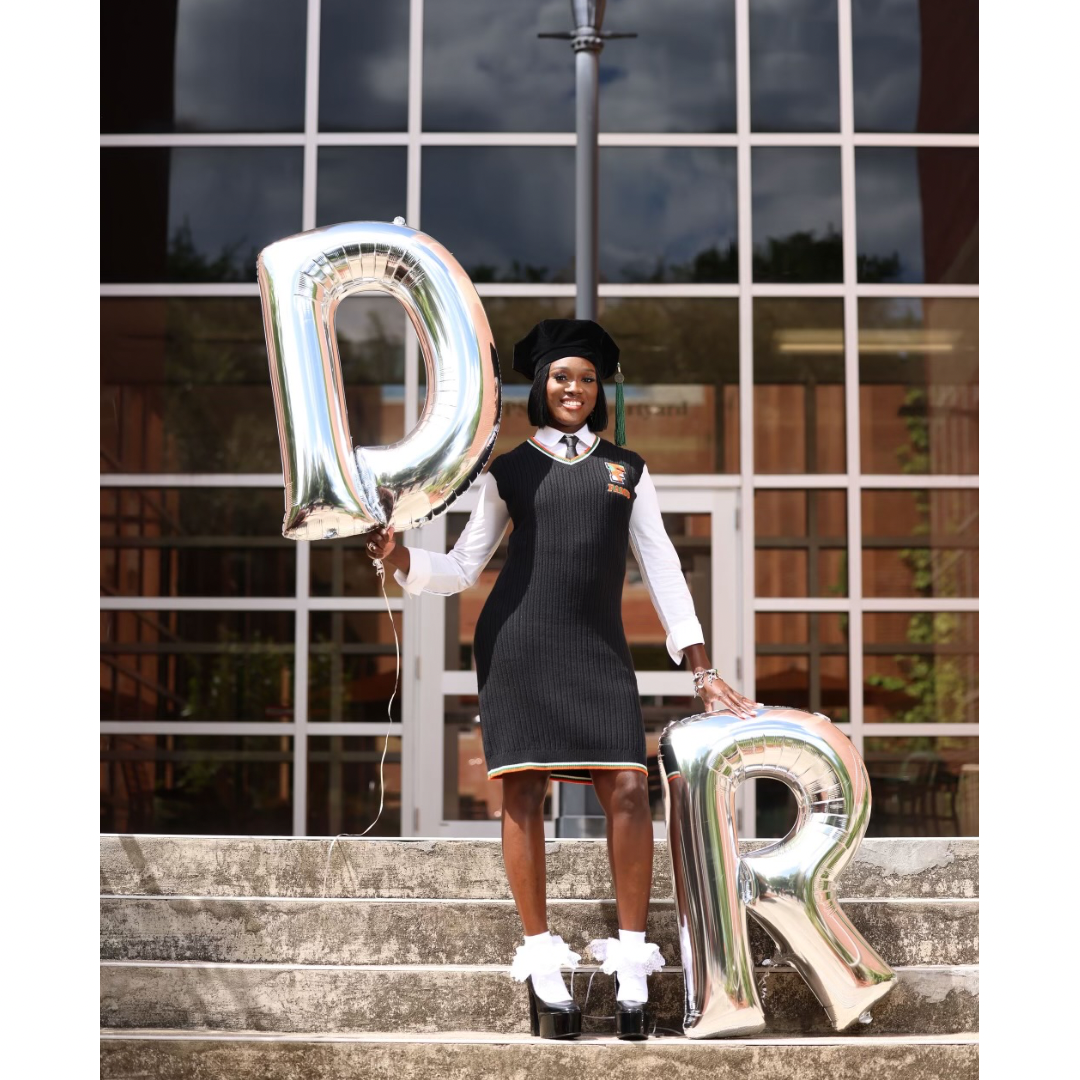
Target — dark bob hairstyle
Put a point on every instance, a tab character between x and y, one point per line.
538	410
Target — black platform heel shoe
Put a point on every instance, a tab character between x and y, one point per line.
631	1017
561	1020
630	1020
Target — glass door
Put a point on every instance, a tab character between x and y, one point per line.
451	792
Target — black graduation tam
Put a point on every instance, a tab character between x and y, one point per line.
553	339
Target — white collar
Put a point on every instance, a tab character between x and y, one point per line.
552	437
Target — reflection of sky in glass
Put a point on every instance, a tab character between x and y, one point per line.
493	205
360	183
196	213
905	195
661	207
370	332
240	65
916	65
677	75
241	197
797	190
486	70
794	66
364	65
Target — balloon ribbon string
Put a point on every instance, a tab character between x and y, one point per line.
381	571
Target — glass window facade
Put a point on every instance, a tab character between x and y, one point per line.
792	279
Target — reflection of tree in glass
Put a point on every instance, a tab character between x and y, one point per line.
184	262
248	678
800	256
934	686
219	410
487	272
709	266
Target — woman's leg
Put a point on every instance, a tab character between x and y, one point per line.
523	845
624	795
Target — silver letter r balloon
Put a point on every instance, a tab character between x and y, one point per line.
788	886
331	488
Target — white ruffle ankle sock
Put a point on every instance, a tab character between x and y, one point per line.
541	957
631	958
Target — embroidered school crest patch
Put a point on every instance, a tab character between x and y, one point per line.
617	476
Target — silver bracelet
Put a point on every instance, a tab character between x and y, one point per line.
701	677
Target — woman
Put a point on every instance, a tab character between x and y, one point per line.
557	688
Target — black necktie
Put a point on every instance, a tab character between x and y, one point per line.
571	445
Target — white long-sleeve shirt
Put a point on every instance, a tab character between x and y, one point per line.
457	570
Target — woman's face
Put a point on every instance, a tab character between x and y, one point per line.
571	392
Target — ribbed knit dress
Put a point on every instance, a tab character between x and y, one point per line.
556	681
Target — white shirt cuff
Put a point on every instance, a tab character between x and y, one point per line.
419	572
683	634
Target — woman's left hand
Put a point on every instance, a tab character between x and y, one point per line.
717	696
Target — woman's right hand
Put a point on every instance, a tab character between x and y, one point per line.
380	542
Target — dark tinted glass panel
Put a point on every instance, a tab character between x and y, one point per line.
186	386
921	543
678	75
658	711
799	386
194	542
917	210
360	183
923	786
352	666
486	70
343	569
680	359
794	69
800	543
797	217
195	213
921	667
507	213
463	608
202	65
343	785
468	795
210	785
802	662
196	665
668	214
919	385
916	65
691	534
364	66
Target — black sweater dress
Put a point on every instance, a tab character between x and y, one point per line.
556	682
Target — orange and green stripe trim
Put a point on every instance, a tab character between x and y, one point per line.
558	766
558	457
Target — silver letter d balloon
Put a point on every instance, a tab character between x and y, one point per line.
331	488
788	886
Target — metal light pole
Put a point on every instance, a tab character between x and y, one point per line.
587	39
580	813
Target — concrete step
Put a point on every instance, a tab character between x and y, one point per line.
349	999
471	869
295	931
249	1056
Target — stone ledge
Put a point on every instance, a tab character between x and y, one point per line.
926	1000
381	1057
472	869
467	932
